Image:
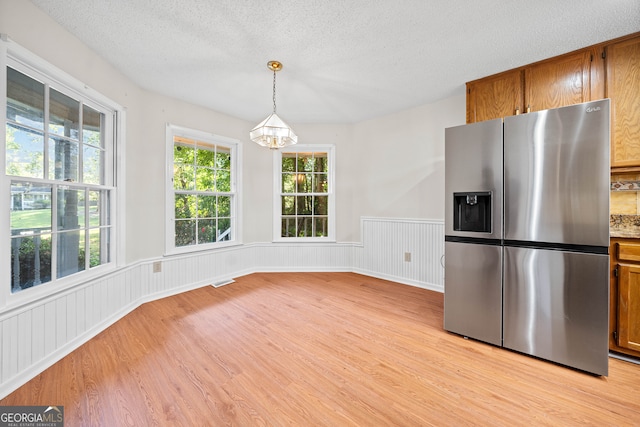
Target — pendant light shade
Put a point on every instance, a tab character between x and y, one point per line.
273	132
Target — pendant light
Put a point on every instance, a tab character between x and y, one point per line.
273	132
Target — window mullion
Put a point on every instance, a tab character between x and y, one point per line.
54	232
81	144
109	172
45	134
87	231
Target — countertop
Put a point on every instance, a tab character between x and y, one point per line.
625	226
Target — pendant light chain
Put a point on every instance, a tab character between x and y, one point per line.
274	91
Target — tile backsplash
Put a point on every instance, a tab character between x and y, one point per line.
625	194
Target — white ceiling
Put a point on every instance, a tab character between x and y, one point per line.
344	60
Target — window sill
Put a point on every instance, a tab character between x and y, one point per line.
305	240
201	248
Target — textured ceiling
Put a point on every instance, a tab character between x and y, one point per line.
344	60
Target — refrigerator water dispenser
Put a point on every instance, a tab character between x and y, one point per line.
472	212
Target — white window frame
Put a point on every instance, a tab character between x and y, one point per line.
23	60
277	192
236	186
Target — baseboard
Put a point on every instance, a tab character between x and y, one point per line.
401	280
624	357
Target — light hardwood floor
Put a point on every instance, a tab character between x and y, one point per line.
316	349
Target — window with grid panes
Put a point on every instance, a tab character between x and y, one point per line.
59	147
204	190
305	193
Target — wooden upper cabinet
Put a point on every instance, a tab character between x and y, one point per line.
606	70
494	97
623	88
558	82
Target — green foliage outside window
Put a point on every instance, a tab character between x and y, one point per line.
304	199
202	183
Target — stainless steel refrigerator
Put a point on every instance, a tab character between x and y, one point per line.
527	233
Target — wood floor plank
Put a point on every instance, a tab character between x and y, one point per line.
321	349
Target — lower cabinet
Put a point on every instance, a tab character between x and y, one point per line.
624	316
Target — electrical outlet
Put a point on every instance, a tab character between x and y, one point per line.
407	256
157	267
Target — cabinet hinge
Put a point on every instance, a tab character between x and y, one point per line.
604	54
615	336
591	59
615	272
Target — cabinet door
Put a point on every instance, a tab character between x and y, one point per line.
558	82
629	306
494	97
623	87
613	295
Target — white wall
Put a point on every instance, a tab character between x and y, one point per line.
398	162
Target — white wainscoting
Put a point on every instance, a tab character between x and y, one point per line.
385	243
36	335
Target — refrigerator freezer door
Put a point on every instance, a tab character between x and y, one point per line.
473	291
556	306
473	164
556	175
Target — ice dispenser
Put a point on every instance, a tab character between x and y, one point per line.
472	212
